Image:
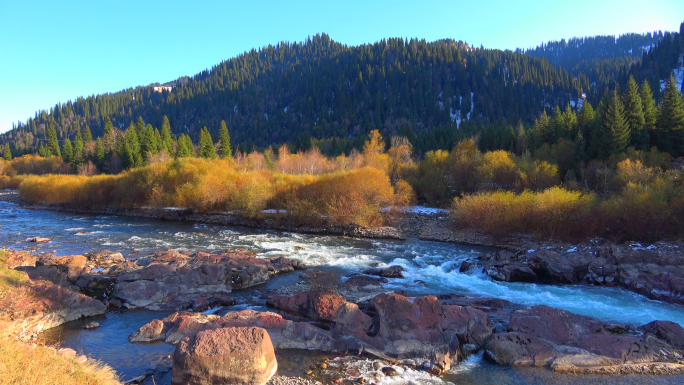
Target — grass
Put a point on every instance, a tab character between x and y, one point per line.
22	364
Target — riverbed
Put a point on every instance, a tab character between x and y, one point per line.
430	268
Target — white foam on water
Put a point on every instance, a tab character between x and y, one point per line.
405	375
605	303
75	229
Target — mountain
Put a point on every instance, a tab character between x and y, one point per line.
321	89
432	92
600	58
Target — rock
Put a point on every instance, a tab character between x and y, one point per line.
200	304
329	307
19	259
67	352
172	280
657	274
389	371
91	325
560	326
668	331
566	342
233	355
149	332
423	328
39	239
363	281
389	272
53	305
104	258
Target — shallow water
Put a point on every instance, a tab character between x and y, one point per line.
431	268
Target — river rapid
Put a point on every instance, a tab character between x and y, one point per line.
430	268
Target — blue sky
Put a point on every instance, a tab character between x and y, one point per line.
53	51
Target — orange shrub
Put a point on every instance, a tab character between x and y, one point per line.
37	165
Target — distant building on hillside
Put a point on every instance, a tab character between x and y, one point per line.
163	88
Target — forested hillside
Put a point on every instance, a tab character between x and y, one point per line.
322	89
601	58
329	95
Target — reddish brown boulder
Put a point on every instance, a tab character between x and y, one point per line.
328	307
232	355
668	331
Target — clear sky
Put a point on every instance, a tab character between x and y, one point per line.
54	51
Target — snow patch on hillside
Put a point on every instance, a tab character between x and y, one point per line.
678	74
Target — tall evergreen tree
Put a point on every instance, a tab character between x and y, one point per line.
206	145
99	155
78	149
166	136
87	135
670	132
129	149
648	104
184	147
7	152
148	142
224	139
615	126
53	143
67	151
634	115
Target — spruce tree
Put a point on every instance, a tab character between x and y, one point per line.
99	153
670	132
129	149
615	126
78	149
648	104
224	139
53	143
206	145
634	114
148	142
166	137
184	147
67	151
7	152
87	135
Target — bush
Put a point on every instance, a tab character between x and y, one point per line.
554	212
37	165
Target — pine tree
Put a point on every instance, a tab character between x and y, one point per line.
140	127
53	143
224	139
78	149
43	151
615	126
206	145
7	152
634	115
184	147
648	104
67	151
148	142
87	135
99	153
129	149
670	128
599	140
166	137
108	139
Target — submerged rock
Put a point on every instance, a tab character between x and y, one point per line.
389	272
233	355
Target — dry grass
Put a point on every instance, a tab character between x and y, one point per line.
22	364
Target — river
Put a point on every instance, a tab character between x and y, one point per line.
435	264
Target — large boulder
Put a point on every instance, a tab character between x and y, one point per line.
232	355
174	280
568	342
327	307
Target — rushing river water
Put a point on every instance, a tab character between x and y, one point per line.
435	264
